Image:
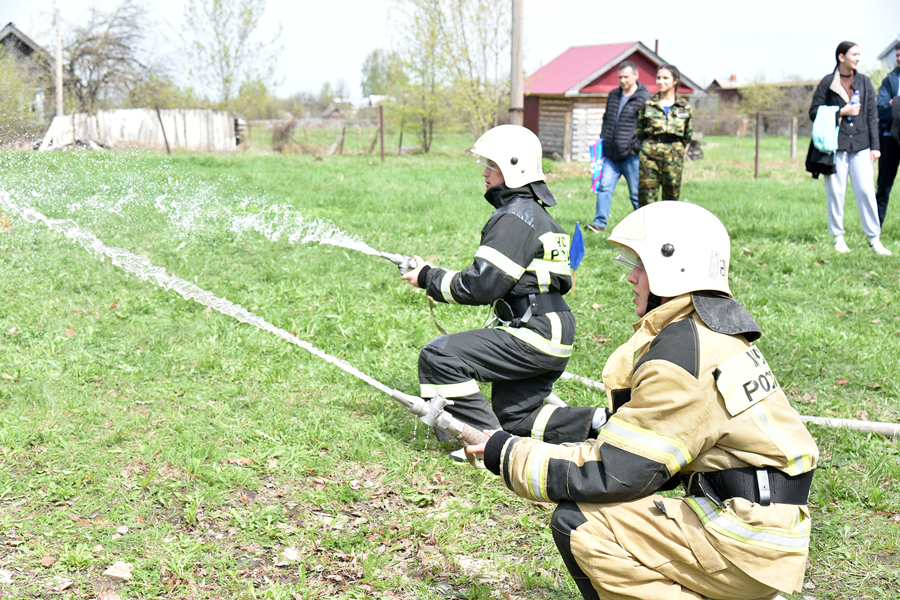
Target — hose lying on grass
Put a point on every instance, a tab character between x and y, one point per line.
890	430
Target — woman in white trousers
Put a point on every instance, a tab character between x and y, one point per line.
858	146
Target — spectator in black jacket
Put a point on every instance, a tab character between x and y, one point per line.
890	149
620	143
858	146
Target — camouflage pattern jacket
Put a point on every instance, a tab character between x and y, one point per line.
655	125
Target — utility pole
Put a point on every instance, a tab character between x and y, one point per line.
516	75
59	69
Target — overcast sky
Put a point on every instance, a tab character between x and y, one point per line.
329	40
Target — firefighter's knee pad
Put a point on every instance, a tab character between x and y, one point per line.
432	351
566	518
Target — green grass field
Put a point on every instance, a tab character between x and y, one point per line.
222	462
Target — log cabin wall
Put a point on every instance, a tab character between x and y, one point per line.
568	126
552	124
587	120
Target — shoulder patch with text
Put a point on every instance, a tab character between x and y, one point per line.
744	380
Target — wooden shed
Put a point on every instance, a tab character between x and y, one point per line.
31	58
565	99
21	46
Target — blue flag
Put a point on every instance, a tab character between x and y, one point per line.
576	252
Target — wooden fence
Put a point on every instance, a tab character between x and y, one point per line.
193	130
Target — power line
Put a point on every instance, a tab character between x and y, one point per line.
172	27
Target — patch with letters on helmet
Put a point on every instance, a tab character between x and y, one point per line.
745	379
718	267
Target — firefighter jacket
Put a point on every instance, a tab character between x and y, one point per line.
655	125
689	393
523	251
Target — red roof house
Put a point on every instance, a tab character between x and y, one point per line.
566	98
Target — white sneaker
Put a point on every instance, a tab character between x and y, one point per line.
840	245
877	247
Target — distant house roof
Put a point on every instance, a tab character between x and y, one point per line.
23	47
885	55
727	83
369	101
16	41
591	70
733	83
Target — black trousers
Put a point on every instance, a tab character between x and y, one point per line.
887	172
567	518
521	377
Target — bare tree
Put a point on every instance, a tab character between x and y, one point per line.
423	99
224	55
454	56
476	39
103	56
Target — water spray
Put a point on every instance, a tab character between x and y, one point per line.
431	413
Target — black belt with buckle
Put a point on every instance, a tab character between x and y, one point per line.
532	305
760	485
667	138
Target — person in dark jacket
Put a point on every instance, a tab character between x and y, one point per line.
521	268
858	146
890	150
620	143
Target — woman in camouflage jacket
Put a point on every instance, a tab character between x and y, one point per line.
665	130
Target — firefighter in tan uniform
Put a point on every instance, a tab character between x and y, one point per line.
692	402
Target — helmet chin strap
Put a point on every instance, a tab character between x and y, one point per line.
653	302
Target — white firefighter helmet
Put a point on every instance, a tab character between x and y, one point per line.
515	150
683	247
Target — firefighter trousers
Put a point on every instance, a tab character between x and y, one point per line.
521	376
632	550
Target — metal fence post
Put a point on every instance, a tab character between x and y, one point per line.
381	128
756	159
794	137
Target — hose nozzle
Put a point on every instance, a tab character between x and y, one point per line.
403	262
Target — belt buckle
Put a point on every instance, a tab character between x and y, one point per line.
765	490
706	487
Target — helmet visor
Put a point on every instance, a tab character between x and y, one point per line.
629	259
487	163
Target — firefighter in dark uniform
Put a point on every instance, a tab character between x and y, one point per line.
521	268
693	402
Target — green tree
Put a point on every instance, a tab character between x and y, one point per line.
877	74
17	119
254	101
761	97
383	74
224	55
152	91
